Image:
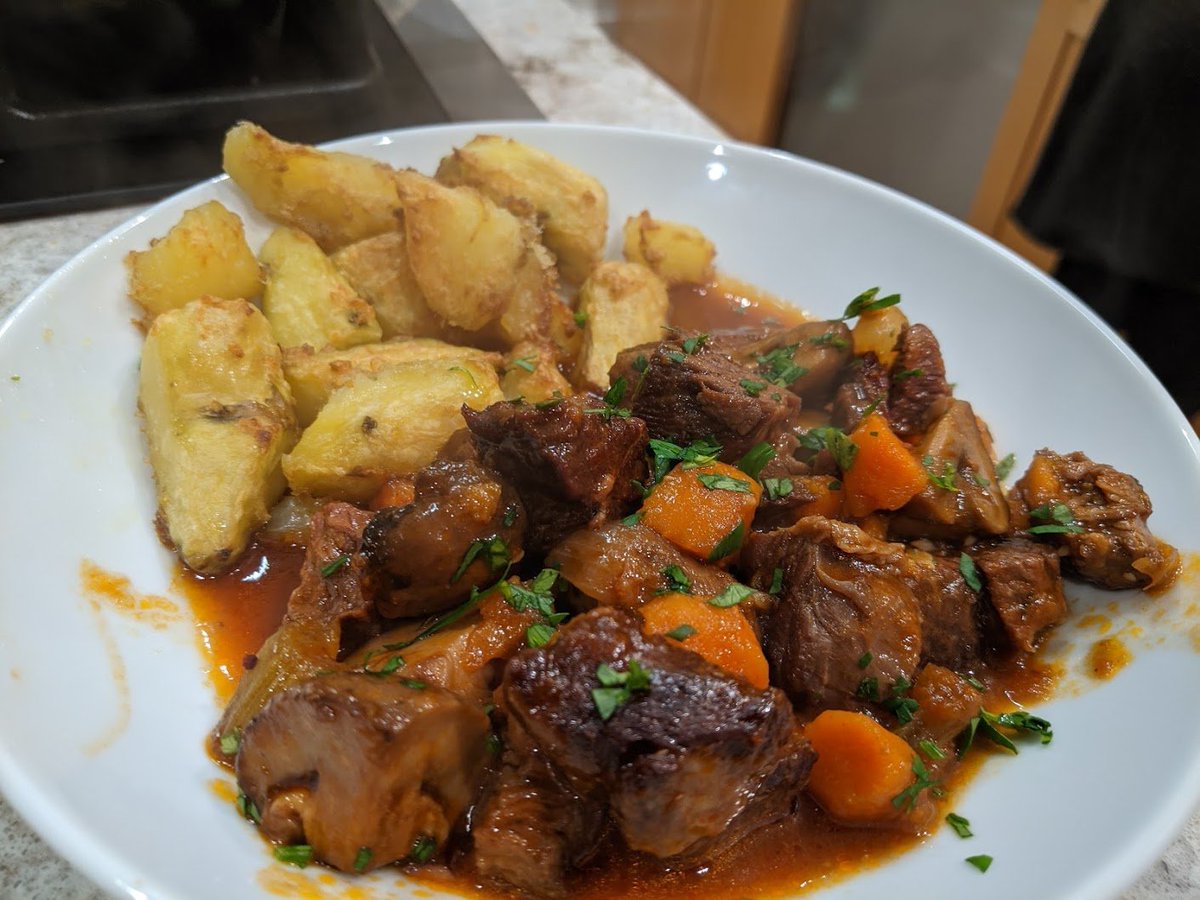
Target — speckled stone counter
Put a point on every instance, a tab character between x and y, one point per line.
573	73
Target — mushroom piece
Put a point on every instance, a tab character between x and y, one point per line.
822	349
368	771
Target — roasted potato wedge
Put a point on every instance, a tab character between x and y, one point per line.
390	423
379	270
531	374
204	253
218	419
306	299
570	206
623	304
315	375
676	253
337	198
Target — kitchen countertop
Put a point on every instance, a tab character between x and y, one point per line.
573	73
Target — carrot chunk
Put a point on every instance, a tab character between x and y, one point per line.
701	510
396	491
861	767
721	635
885	474
827	497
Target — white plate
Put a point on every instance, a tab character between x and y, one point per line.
1080	818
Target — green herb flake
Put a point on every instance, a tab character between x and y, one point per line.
14	378
983	862
632	519
493	551
776	582
1060	517
612	401
551	403
905	374
474	383
423	849
865	659
698	453
299	855
492	743
247	809
867	302
988	725
931	750
413	684
970	574
681	632
510	516
777	488
618	687
231	742
779	366
868	689
973	682
694	343
901	706
837	442
640	363
677	581
386	669
539	635
1005	466
732	595
944	480
526	362
362	859
834	485
756	459
580	317
753	388
830	339
716	482
729	544
330	567
907	798
960	825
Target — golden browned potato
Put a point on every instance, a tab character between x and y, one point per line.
534	311
314	375
378	269
531	374
623	304
676	253
570	205
218	418
390	423
307	301
337	198
204	253
879	330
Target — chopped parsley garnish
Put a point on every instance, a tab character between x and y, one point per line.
868	689
474	383
983	862
694	343
776	582
231	742
525	362
907	798
960	825
247	809
386	669
834	485
729	544
697	453
988	725
640	363
930	749
551	403
612	402
831	339
866	302
632	519
970	574
491	550
980	480
330	567
865	659
539	635
618	687
677	581
580	317
299	855
681	632
898	704
905	374
724	483
492	743
413	684
510	516
777	488
945	480
973	682
362	859
837	442
753	388
732	595
779	367
1005	466
1059	516
756	458
423	849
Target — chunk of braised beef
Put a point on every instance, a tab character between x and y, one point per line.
919	394
346	761
864	386
1106	536
677	761
1023	587
949	611
963	496
841	600
571	468
818	351
684	397
459	507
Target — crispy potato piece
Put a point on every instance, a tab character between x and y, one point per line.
571	206
204	253
307	301
218	418
624	304
379	270
386	424
314	375
535	312
531	373
337	198
676	253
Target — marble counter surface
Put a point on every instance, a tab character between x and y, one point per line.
573	73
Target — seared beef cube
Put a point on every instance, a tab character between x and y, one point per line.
966	498
919	393
949	611
571	468
1024	590
865	385
819	351
1106	536
678	759
530	829
347	761
842	596
422	546
683	397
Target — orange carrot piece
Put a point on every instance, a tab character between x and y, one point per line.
861	767
721	635
396	491
828	500
885	474
697	518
